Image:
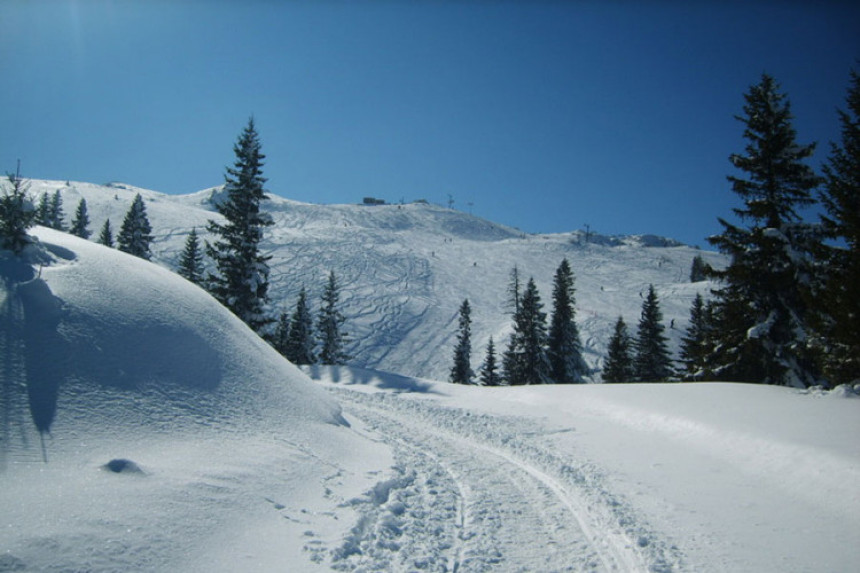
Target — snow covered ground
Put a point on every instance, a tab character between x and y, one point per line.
239	461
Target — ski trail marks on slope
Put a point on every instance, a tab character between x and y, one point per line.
472	493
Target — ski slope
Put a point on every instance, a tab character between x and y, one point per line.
405	270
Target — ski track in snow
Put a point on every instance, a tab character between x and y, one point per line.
472	492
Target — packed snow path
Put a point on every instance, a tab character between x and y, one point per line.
473	492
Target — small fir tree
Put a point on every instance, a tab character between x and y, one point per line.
56	215
564	347
489	369
461	371
651	362
16	214
698	269
81	221
106	234
241	281
282	333
525	360
330	325
135	234
514	288
191	259
43	211
301	342
619	361
694	344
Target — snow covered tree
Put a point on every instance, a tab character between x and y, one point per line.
761	332
135	234
525	360
191	259
694	344
43	211
651	362
330	325
619	361
489	369
461	372
81	222
241	282
16	214
282	333
106	234
56	215
564	348
301	343
698	269
837	305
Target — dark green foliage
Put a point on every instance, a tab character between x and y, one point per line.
619	361
837	313
241	281
282	333
461	371
135	234
651	362
698	270
760	331
56	215
489	369
43	211
106	234
191	259
564	348
301	343
694	344
81	222
525	361
16	215
330	325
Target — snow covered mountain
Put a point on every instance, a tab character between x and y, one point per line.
405	269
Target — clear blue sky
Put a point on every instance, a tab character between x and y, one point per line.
541	115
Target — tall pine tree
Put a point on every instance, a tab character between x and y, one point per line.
81	221
619	361
489	369
651	362
330	325
191	259
106	234
461	371
241	281
761	331
694	343
43	211
837	310
564	348
525	360
56	215
135	235
301	343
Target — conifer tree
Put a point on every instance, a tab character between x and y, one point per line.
330	325
837	312
698	269
106	234
564	348
56	215
81	222
16	214
43	211
241	282
282	333
191	259
135	234
619	361
694	344
514	289
301	343
489	369
651	362
461	371
761	333
525	360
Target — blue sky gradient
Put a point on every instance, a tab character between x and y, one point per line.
541	115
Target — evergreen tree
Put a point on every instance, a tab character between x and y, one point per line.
525	360
619	362
242	280
56	215
837	313
16	214
698	270
282	333
301	342
564	349
43	211
81	222
135	234
761	333
651	362
106	234
461	372
191	259
489	369
514	289
330	325
694	344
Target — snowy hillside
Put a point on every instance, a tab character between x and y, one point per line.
405	269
